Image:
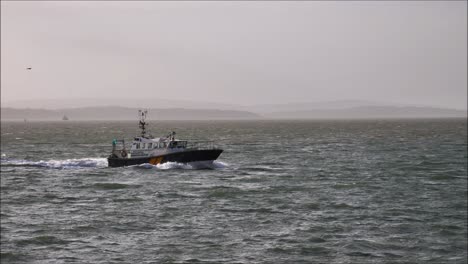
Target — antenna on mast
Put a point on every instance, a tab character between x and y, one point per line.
142	115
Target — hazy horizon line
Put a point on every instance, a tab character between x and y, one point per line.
224	104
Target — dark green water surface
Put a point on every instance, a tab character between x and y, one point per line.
390	191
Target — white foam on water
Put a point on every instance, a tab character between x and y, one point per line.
185	166
102	163
60	164
164	166
173	165
219	164
145	166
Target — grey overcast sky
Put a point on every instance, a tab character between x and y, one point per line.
409	52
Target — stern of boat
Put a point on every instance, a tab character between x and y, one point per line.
118	150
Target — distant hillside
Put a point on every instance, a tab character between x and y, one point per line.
309	106
370	112
122	113
65	103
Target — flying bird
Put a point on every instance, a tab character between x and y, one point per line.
29	68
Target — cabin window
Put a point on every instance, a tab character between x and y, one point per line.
150	145
137	145
144	146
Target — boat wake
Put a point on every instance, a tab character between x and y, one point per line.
196	165
102	163
56	164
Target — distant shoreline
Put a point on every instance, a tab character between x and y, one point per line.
247	120
184	114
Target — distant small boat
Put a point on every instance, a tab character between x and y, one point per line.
64	118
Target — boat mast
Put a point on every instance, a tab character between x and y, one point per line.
142	114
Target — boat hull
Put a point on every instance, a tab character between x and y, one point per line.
181	157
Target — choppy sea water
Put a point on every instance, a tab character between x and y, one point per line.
389	191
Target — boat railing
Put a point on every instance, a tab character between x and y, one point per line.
201	144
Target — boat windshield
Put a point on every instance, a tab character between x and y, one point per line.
178	144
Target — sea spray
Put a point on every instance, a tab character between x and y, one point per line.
58	164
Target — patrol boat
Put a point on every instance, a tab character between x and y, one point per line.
148	149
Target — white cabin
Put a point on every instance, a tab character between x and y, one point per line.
145	147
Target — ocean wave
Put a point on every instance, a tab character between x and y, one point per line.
42	240
219	164
113	186
185	166
174	165
57	164
102	163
